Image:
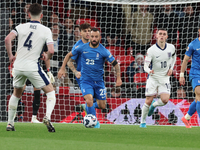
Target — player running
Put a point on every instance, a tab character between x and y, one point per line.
194	77
31	38
163	57
85	30
93	55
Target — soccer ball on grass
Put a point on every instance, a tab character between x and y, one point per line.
89	121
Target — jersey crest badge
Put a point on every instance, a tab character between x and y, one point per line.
76	47
97	57
187	49
169	55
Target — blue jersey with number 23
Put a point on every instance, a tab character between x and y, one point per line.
92	61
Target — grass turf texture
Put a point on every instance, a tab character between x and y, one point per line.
109	137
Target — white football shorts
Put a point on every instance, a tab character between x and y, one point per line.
38	78
157	86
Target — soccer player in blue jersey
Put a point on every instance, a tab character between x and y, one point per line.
193	51
93	56
85	30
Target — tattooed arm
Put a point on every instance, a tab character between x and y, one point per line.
118	73
70	64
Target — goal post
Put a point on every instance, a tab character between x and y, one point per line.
128	28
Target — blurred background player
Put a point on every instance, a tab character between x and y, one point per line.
163	57
192	52
181	93
26	65
136	66
93	55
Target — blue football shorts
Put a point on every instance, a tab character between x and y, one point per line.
95	88
194	81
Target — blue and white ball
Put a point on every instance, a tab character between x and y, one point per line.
89	121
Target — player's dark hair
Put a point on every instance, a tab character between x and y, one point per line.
181	88
84	26
161	29
55	24
35	9
76	26
95	29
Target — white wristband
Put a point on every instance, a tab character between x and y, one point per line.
182	74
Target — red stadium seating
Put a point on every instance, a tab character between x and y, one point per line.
153	40
129	51
124	61
116	50
177	68
140	78
92	22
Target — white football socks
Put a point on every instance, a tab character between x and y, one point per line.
187	116
50	103
12	109
145	110
158	103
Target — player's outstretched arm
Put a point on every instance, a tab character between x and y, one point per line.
70	64
8	43
183	67
61	72
118	72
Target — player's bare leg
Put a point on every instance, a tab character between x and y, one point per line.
101	104
163	100
145	110
12	108
50	103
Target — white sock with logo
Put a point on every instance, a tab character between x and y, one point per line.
50	103
145	110
187	116
12	109
158	103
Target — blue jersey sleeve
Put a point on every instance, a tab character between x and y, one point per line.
189	50
76	51
109	57
74	57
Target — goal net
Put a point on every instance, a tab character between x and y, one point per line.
128	28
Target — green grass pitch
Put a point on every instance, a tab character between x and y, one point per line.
109	137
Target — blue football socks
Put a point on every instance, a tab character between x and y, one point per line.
192	108
91	110
198	107
95	105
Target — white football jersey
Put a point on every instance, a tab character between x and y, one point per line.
161	59
32	36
